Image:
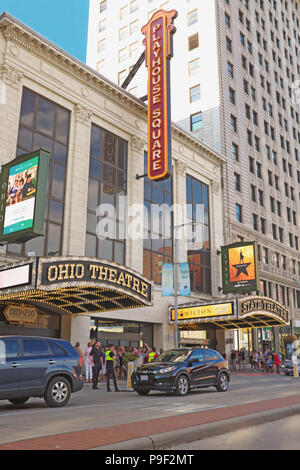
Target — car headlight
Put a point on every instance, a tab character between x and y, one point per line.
166	370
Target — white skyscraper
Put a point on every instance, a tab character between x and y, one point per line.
115	43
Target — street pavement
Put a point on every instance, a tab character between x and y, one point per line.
95	419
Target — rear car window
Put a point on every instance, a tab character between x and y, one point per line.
8	350
210	355
56	349
35	347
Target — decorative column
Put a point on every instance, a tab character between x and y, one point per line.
135	197
10	102
77	182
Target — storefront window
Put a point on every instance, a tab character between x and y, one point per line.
158	246
199	251
107	186
44	124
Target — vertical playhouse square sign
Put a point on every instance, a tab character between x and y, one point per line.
159	50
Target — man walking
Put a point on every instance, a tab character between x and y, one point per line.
97	363
110	368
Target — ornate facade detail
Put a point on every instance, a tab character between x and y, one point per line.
137	144
10	75
215	186
83	114
180	167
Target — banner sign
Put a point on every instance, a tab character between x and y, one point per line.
185	285
167	289
239	268
159	50
203	311
23	194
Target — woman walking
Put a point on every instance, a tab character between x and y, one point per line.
88	364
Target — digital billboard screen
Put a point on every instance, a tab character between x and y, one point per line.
21	196
23	186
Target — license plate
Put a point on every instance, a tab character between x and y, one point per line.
144	378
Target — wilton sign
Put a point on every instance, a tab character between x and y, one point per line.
159	50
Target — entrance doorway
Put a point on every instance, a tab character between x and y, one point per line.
121	333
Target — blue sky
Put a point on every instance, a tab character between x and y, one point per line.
63	22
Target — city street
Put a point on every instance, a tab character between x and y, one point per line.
94	409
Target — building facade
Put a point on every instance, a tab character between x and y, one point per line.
237	63
96	134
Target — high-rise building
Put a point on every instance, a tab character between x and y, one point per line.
235	84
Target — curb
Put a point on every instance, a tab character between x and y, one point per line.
203	431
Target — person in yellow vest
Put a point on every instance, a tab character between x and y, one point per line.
110	368
153	354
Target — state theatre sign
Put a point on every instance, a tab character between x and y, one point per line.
159	50
74	285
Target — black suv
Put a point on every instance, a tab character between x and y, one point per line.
182	370
38	367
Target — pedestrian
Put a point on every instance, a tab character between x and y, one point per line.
233	360
110	367
88	363
152	354
80	360
96	357
255	359
270	364
277	362
243	358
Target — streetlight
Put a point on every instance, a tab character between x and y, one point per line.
175	263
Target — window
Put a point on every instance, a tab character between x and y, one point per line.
107	185
10	350
230	69
158	246
194	93
123	53
101	46
192	17
44	124
235	151
134	6
231	96
35	347
199	256
238	212
193	67
103	6
196	121
193	41
237	182
233	123
123	33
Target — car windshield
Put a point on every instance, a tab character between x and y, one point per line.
174	355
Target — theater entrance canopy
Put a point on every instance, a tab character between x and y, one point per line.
74	286
246	312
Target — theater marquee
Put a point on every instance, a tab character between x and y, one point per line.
74	285
159	50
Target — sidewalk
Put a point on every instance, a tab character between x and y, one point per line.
159	433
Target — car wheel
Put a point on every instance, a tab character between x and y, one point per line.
18	401
143	392
182	385
223	383
58	392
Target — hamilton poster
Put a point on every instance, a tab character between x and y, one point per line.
239	268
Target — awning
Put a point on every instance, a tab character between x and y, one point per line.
74	285
246	312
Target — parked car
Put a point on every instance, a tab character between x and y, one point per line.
182	370
288	367
38	367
